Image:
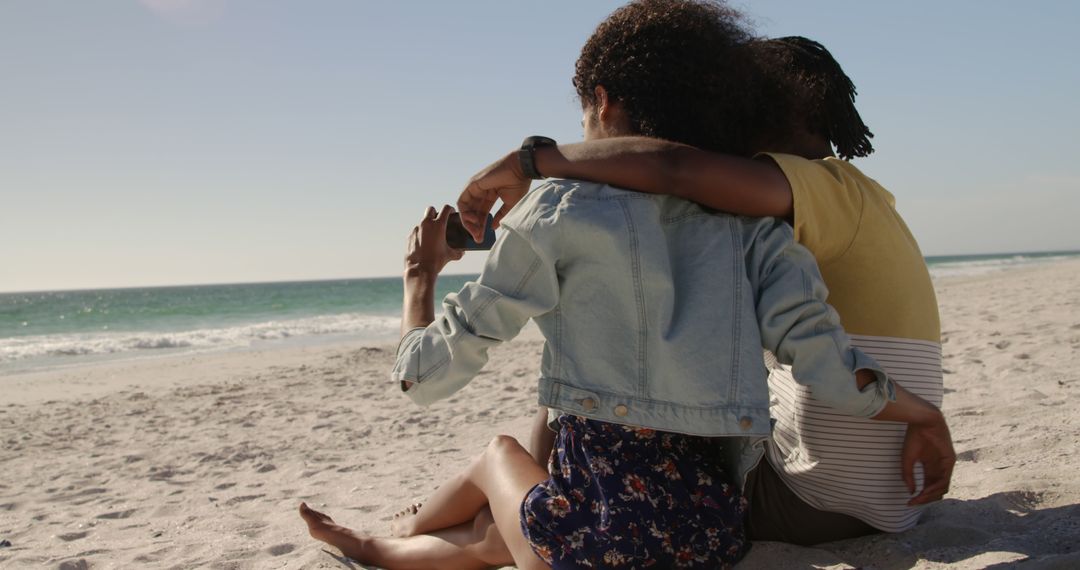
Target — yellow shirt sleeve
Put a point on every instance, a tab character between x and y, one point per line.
828	204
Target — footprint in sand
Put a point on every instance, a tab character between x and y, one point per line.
252	530
242	499
351	468
83	493
281	549
971	455
118	514
70	536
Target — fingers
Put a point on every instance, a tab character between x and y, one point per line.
938	477
474	205
934	490
440	225
413	240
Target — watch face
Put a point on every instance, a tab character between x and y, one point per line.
538	141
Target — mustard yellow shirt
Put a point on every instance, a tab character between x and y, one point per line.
877	278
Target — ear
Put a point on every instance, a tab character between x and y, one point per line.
602	104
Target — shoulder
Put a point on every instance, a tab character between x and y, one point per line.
799	170
756	231
550	201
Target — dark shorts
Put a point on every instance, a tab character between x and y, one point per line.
777	513
625	497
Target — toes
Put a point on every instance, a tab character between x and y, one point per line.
312	516
409	510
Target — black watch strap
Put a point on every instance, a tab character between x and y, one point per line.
527	157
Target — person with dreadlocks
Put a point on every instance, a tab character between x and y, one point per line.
826	476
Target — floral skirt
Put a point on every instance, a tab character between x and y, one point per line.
628	497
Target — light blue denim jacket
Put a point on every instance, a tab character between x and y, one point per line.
655	312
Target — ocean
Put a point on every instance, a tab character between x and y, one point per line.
45	329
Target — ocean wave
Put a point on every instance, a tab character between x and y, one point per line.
972	267
368	327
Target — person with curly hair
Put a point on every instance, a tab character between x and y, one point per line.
655	312
819	482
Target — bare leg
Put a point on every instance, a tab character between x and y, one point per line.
499	478
460	498
506	476
466	546
541	438
456	501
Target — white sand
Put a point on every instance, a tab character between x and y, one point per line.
200	461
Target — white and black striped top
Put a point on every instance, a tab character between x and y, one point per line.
852	465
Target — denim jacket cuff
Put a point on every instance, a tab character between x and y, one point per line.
877	394
407	365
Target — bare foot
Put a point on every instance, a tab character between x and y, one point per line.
403	526
323	528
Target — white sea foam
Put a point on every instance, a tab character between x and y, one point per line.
366	327
969	267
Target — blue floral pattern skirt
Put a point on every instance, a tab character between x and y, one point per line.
629	497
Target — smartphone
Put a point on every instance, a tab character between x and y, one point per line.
458	237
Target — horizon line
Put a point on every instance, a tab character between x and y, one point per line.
329	279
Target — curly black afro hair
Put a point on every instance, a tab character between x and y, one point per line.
681	69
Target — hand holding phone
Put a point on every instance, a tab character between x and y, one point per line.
458	237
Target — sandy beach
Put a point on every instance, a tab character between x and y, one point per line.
199	461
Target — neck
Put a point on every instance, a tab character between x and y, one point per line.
805	145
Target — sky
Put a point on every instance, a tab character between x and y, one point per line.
157	142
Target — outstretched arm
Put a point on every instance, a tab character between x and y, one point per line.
722	182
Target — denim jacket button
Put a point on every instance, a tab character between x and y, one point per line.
588	404
621	410
746	423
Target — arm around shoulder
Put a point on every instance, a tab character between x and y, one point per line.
722	182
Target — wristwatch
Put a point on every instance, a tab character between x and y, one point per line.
527	157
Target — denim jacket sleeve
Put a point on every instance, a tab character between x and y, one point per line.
802	330
518	282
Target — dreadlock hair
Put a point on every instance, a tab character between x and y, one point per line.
679	68
819	95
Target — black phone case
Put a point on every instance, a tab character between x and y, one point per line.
458	238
